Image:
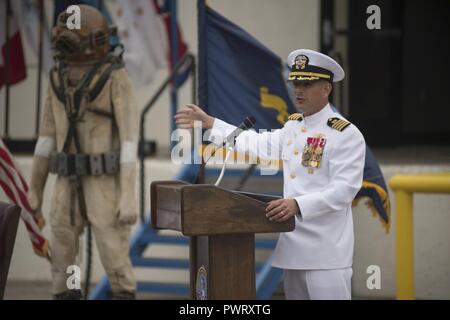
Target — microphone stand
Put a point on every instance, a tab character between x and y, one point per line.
247	124
229	150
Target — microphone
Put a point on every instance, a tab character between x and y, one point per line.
230	140
248	123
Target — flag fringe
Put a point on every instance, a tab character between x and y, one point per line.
384	196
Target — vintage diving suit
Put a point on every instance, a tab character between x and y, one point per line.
88	137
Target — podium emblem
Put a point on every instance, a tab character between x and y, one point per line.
201	286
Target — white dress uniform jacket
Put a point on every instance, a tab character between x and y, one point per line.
323	235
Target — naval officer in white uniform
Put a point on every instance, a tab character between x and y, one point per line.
323	161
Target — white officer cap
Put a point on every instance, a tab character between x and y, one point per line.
310	65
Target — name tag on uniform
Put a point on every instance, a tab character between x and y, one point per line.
312	152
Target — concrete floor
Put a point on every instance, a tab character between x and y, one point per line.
41	290
26	290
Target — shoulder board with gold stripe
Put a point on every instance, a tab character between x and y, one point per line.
296	116
338	123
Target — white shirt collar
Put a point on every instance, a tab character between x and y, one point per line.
320	116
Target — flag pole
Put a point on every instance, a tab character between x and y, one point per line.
7	68
202	72
40	58
193	241
173	59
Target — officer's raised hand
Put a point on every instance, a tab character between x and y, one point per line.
186	115
282	209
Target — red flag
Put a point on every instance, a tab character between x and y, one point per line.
15	188
182	47
17	69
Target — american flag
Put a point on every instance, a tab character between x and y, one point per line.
16	188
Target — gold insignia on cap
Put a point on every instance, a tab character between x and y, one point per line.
296	116
301	61
338	123
307	76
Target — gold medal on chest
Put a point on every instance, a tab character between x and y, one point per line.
313	152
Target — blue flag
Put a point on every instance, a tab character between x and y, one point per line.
374	188
239	77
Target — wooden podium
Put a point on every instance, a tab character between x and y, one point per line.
222	225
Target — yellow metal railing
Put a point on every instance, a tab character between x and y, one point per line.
404	186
